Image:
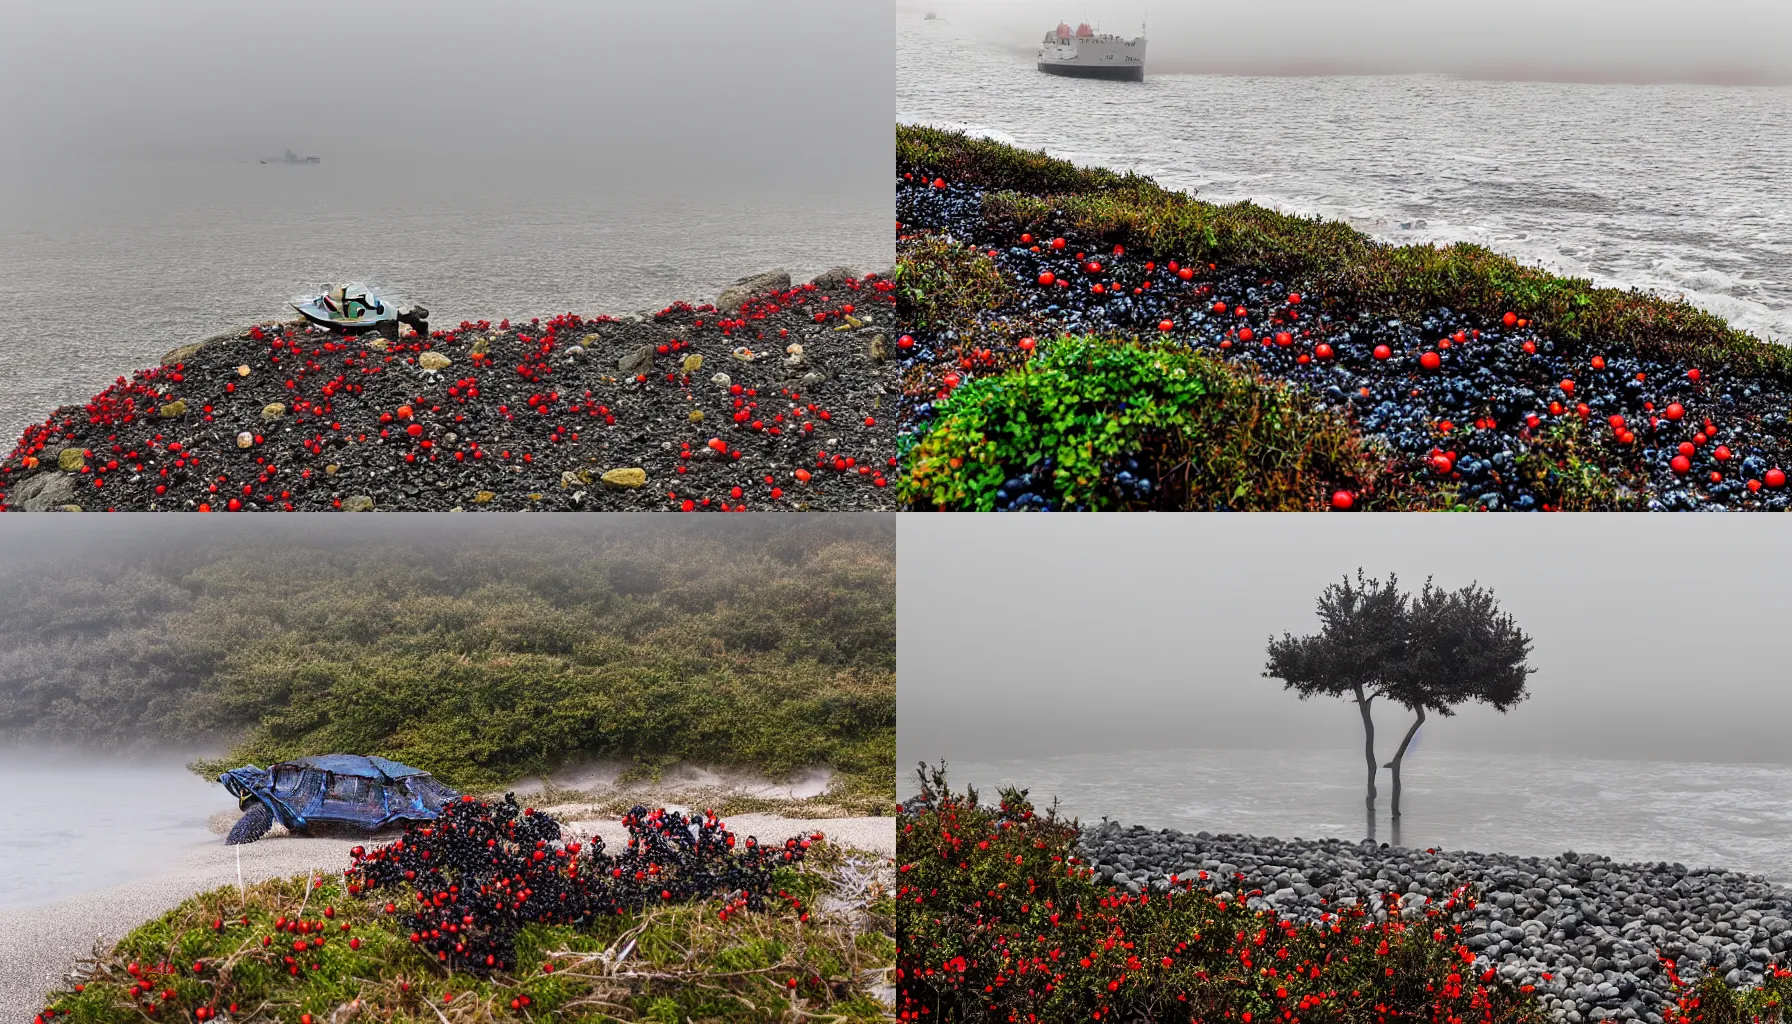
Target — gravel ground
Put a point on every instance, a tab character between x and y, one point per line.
38	945
1585	930
774	397
1462	399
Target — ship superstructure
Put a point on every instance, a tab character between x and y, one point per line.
1085	53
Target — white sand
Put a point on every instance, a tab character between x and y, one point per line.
39	945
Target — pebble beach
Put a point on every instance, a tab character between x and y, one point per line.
1587	932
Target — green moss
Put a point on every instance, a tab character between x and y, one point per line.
1214	434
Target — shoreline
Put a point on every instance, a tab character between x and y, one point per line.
39	944
1430	377
635	412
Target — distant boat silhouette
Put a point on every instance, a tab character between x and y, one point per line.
293	158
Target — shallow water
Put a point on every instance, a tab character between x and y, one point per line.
1734	816
105	265
77	822
1675	189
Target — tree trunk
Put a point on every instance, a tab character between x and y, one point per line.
1417	721
1362	705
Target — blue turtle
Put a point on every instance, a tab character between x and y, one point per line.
348	789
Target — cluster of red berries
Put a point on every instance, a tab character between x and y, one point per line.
482	871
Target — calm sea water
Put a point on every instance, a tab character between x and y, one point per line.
106	265
1734	816
78	822
1675	189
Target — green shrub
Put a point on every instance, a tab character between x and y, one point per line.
755	645
940	283
1216	435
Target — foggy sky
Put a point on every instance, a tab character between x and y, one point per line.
1656	637
1718	42
790	93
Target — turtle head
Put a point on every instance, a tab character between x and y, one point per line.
242	782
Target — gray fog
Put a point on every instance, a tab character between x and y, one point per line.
790	96
1727	42
1027	637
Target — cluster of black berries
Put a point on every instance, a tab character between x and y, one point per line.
480	872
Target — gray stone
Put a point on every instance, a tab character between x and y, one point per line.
834	277
747	287
44	491
637	361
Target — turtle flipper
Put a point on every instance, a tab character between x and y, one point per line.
254	824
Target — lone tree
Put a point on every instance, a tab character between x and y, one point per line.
1360	636
1459	647
1429	653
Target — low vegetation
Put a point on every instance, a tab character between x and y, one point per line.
479	655
998	921
811	940
1213	434
1132	210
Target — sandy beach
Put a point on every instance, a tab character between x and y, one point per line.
38	945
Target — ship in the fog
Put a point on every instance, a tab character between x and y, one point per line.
292	158
1085	53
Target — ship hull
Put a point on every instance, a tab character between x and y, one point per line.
1111	73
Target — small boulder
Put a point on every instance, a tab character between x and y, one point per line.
433	361
880	348
44	491
173	410
357	503
692	363
71	460
747	287
483	497
273	411
834	277
179	355
625	479
637	361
